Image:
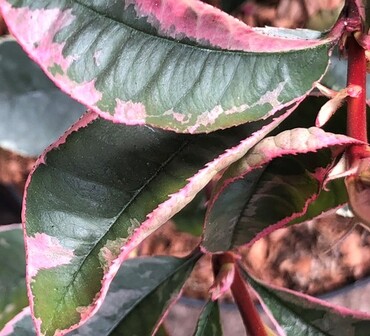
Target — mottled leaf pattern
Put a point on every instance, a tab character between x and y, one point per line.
264	180
87	208
175	64
140	293
140	283
34	112
300	314
13	296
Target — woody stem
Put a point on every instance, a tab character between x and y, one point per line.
251	318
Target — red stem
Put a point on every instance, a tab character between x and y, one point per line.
356	106
248	311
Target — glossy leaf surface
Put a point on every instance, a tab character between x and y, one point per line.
140	283
34	112
209	321
300	314
139	295
99	192
13	296
175	64
283	173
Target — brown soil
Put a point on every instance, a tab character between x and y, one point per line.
319	14
313	257
14	169
13	174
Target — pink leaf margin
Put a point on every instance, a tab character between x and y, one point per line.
31	269
35	30
321	140
340	310
156	218
9	327
203	22
166	312
265	154
175	203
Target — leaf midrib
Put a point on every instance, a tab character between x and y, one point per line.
189	260
115	220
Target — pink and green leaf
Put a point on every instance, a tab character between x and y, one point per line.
282	173
97	193
174	64
209	321
139	296
140	283
13	294
300	314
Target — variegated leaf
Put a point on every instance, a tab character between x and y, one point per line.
139	296
176	64
270	187
97	193
141	285
300	314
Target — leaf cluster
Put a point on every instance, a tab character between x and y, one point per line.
192	116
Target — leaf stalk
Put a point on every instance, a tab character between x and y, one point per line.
250	316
